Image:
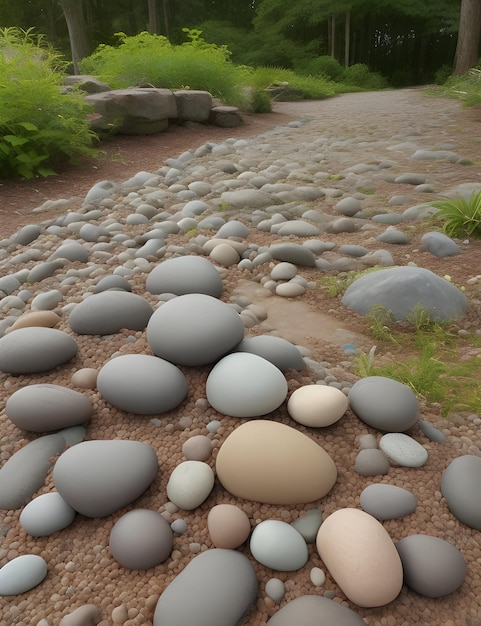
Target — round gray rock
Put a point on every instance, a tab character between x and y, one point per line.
35	349
461	486
184	275
142	384
371	462
384	403
432	566
194	329
97	478
315	611
46	407
401	289
439	244
220	586
387	501
293	253
278	351
403	450
141	539
107	312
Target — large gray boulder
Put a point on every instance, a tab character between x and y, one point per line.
193	105
402	289
136	111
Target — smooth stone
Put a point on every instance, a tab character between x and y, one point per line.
269	462
284	271
275	589
371	462
46	514
35	349
221	586
402	289
293	253
367	442
47	301
189	484
85	378
403	450
225	255
112	282
342	225
27	234
184	275
72	251
308	525
393	236
298	228
384	403
290	290
279	546
361	557
47	319
45	407
99	477
431	432
194	329
233	228
107	312
9	284
387	501
315	611
197	448
410	179
84	615
25	471
228	525
141	539
348	206
461	486
246	198
440	245
353	250
142	384
277	350
41	271
317	576
432	566
22	574
245	385
317	406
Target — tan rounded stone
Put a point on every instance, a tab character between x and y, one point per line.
48	319
269	462
228	526
317	405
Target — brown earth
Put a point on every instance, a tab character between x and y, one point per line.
81	569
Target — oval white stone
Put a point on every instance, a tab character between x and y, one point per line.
46	514
403	450
279	546
21	574
189	484
317	405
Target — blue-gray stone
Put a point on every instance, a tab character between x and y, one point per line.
394	236
72	251
353	250
183	275
9	284
402	289
26	234
387	501
431	432
439	244
308	525
293	253
348	206
114	281
220	586
315	611
278	351
461	486
233	228
410	179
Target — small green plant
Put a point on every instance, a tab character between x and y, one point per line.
466	88
359	75
380	321
461	217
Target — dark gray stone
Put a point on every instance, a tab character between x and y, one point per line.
308	525
35	349
461	486
278	351
432	566
293	253
192	105
315	611
432	433
402	289
217	588
371	462
439	245
183	275
226	117
387	501
142	384
27	234
86	83
108	312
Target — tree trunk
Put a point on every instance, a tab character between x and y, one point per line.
153	17
333	36
347	42
77	31
467	49
165	14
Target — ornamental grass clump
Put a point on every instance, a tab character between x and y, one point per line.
460	216
40	127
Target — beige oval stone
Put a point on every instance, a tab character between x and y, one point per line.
317	405
361	557
272	463
228	526
48	319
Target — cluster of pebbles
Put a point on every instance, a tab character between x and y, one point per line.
168	456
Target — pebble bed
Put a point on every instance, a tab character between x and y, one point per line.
284	188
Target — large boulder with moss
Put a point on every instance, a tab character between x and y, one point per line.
402	290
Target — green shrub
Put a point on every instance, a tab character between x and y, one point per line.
39	126
300	87
359	75
443	74
325	66
461	216
466	88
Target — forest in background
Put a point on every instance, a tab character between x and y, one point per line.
407	41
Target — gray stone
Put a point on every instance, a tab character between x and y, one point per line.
46	514
97	478
141	539
246	198
42	270
403	450
315	611
402	289
35	349
221	587
113	281
277	350
461	486
233	228
308	525
185	275
353	250
91	232
387	501
298	228
26	234
225	116
45	407
194	329
432	566
293	253
9	284
72	251
431	432
26	470
86	83
348	206
342	225
192	105
142	384
371	462
47	301
439	244
108	312
419	212
22	574
84	615
394	236
410	179
384	403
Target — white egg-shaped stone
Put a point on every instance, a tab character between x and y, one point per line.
46	514
22	574
317	405
279	546
189	484
245	385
